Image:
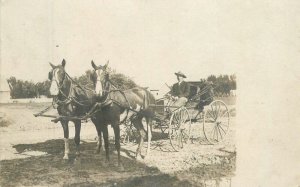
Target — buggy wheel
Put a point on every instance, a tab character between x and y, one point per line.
179	128
216	122
163	125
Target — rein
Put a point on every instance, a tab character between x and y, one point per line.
116	89
68	97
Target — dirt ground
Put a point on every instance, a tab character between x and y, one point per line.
32	148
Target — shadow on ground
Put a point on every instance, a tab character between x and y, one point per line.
89	169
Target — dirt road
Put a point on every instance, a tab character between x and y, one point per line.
32	150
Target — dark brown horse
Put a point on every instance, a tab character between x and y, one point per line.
72	101
133	104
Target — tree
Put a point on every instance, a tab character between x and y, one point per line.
119	80
223	84
42	88
16	91
212	78
85	80
28	89
233	82
122	81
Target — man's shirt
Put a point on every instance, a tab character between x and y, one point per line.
181	89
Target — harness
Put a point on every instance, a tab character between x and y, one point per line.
109	99
70	97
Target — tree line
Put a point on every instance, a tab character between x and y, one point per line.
223	84
28	89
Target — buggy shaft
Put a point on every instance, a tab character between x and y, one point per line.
63	117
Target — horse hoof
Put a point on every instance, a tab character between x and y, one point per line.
121	168
138	157
66	157
97	151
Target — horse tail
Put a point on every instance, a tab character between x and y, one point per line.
147	101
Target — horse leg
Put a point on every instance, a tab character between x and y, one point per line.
116	128
149	131
65	126
99	142
106	141
77	136
137	122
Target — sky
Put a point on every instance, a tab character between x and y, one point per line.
147	40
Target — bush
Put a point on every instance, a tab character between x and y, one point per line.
119	80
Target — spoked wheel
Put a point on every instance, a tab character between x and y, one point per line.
179	128
163	125
216	122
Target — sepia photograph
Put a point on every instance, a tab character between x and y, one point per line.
138	93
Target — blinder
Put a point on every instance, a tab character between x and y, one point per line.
50	75
93	76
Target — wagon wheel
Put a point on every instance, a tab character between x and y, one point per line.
216	122
163	125
179	128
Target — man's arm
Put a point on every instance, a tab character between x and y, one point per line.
173	90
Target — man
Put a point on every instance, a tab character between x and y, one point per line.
180	91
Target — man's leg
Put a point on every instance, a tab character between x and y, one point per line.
179	103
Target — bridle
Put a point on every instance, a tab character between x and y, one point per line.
68	98
57	82
109	84
106	88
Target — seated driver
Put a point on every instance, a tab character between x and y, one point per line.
180	91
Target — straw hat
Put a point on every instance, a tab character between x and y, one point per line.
179	73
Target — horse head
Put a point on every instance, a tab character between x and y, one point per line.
57	76
100	78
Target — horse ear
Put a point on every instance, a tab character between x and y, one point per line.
63	63
52	65
105	66
94	66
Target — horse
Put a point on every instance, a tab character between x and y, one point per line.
72	100
134	104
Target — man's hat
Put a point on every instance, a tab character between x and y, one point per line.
179	73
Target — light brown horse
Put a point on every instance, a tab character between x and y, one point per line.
132	103
72	101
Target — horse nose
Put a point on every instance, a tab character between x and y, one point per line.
98	89
54	88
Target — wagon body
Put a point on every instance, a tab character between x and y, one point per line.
201	108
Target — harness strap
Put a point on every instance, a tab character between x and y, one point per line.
69	98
